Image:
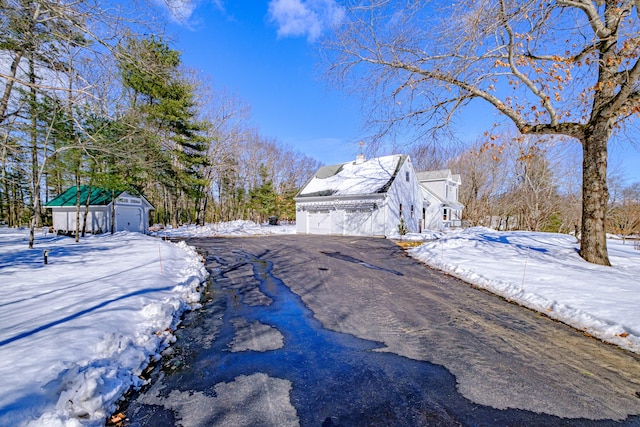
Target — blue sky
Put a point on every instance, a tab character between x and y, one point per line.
276	73
264	51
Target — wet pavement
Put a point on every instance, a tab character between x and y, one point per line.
256	355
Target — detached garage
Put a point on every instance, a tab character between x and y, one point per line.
131	212
361	198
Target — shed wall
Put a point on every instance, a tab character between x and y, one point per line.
64	219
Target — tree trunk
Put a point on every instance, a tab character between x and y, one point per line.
86	212
35	177
35	217
595	195
78	202
5	183
113	211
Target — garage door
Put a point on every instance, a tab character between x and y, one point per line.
358	223
319	223
128	218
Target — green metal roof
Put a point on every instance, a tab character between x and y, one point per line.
99	196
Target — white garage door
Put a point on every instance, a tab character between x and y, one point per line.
337	222
128	218
319	223
358	223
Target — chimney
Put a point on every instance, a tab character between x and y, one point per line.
360	158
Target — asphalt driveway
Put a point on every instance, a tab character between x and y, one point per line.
328	331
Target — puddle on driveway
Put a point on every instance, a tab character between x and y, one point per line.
327	378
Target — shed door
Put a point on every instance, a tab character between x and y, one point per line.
128	218
319	223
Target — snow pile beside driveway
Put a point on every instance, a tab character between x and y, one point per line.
78	332
231	228
544	272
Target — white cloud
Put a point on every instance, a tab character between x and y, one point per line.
296	18
180	10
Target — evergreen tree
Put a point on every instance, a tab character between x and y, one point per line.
175	137
263	198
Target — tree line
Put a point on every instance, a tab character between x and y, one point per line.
93	94
514	182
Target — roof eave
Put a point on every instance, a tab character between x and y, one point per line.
339	197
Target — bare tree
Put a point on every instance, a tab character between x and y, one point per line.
486	178
624	217
566	67
534	194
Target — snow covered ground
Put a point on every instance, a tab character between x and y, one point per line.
77	332
236	228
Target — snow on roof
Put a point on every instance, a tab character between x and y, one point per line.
434	175
348	179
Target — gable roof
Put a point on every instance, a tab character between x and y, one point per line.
99	196
349	179
434	175
449	203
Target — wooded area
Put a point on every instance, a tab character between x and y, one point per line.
512	184
91	95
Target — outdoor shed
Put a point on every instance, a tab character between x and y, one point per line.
131	212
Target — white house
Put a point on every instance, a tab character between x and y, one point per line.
367	198
440	193
131	212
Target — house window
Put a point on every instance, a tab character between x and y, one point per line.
411	211
424	214
406	175
400	209
445	214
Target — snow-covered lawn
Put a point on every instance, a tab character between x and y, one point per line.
77	332
237	228
543	271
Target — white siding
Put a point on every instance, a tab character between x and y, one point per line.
433	212
408	194
64	219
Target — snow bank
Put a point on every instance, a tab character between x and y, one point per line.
79	331
231	228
